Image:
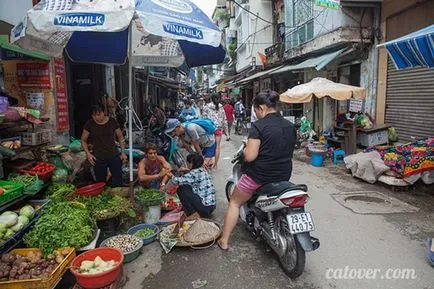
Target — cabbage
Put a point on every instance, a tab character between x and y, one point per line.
23	220
17	227
27	211
9	233
9	220
9	213
3	228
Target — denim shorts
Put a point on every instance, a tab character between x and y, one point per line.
209	152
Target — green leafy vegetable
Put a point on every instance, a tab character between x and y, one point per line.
143	233
58	192
106	206
61	225
149	197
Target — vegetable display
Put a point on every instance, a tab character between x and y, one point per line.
143	233
58	192
149	197
106	206
6	188
11	222
32	266
31	183
96	266
125	243
64	224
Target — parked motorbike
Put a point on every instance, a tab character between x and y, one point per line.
168	148
304	130
277	213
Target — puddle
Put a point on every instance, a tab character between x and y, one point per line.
370	202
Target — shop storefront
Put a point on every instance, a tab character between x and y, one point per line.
35	81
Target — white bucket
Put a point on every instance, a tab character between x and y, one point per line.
152	214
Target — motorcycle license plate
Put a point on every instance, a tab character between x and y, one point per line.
300	223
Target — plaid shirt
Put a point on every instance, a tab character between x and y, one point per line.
202	185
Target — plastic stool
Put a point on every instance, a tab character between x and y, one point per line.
337	154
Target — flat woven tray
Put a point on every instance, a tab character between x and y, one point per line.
183	243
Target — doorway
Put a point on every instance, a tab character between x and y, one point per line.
87	82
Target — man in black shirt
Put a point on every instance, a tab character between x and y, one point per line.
102	131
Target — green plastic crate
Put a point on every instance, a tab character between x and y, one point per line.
12	192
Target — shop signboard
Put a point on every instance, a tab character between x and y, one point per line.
333	4
33	74
61	97
6	54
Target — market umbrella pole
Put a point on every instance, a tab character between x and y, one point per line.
130	112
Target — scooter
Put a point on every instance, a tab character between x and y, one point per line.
305	133
277	214
168	148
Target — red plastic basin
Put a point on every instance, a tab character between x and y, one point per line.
91	190
99	280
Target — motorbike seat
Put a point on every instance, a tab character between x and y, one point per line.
275	189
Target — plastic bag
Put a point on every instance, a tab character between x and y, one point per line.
392	134
60	175
75	145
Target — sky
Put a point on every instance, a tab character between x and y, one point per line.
207	6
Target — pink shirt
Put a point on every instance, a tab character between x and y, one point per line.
229	110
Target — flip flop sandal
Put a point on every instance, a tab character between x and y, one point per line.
430	250
220	246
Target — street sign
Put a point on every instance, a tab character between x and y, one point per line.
333	4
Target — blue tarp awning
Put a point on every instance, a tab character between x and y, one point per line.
413	50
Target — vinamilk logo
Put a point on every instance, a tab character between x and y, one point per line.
183	30
79	19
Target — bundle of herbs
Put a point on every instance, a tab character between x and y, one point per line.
149	197
63	224
106	206
58	192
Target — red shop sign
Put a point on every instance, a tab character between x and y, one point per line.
61	97
33	74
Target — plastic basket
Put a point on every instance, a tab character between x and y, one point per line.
15	191
128	257
149	239
42	176
48	283
36	138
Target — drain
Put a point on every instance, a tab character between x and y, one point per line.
366	199
370	202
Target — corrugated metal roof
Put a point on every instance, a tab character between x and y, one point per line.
317	62
259	74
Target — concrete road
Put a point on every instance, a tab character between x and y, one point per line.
360	247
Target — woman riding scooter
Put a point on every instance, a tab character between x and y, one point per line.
268	156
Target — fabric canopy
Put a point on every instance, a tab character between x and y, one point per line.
413	50
321	87
163	33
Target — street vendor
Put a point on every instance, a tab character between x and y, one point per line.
153	169
102	130
196	189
